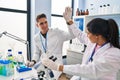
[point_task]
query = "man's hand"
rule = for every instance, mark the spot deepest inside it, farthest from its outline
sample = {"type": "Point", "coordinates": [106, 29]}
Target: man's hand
{"type": "Point", "coordinates": [30, 64]}
{"type": "Point", "coordinates": [67, 14]}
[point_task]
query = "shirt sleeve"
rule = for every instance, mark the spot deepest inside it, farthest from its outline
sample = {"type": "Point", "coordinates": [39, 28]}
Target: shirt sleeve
{"type": "Point", "coordinates": [37, 51]}
{"type": "Point", "coordinates": [37, 54]}
{"type": "Point", "coordinates": [82, 36]}
{"type": "Point", "coordinates": [65, 35]}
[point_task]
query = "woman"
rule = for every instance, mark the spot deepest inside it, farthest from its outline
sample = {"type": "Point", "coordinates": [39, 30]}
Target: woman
{"type": "Point", "coordinates": [101, 60]}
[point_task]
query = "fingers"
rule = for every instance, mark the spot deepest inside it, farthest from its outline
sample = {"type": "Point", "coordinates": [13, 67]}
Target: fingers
{"type": "Point", "coordinates": [45, 61]}
{"type": "Point", "coordinates": [68, 9]}
{"type": "Point", "coordinates": [67, 14]}
{"type": "Point", "coordinates": [29, 64]}
{"type": "Point", "coordinates": [43, 56]}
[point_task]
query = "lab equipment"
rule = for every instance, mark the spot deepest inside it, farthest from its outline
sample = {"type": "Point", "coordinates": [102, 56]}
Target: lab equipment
{"type": "Point", "coordinates": [47, 74]}
{"type": "Point", "coordinates": [6, 68]}
{"type": "Point", "coordinates": [25, 73]}
{"type": "Point", "coordinates": [23, 68]}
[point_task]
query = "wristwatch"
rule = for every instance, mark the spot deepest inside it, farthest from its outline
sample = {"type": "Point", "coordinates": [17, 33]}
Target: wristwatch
{"type": "Point", "coordinates": [70, 22]}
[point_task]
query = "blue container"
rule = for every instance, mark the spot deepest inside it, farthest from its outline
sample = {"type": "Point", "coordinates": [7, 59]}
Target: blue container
{"type": "Point", "coordinates": [6, 68]}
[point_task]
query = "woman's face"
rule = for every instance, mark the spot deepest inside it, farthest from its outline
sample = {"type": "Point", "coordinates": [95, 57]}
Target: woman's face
{"type": "Point", "coordinates": [93, 38]}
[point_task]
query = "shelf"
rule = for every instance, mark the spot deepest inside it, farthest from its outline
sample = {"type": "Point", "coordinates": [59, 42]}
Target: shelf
{"type": "Point", "coordinates": [96, 15]}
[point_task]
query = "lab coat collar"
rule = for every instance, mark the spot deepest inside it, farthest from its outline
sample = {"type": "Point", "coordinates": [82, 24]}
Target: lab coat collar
{"type": "Point", "coordinates": [103, 48]}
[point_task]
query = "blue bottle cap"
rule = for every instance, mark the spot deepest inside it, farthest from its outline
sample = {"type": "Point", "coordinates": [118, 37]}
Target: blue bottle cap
{"type": "Point", "coordinates": [9, 49]}
{"type": "Point", "coordinates": [21, 79]}
{"type": "Point", "coordinates": [20, 52]}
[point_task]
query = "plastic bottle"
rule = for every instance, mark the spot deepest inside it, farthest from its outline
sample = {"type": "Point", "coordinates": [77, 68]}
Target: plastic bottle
{"type": "Point", "coordinates": [9, 52]}
{"type": "Point", "coordinates": [109, 10]}
{"type": "Point", "coordinates": [92, 10]}
{"type": "Point", "coordinates": [100, 11]}
{"type": "Point", "coordinates": [104, 9]}
{"type": "Point", "coordinates": [20, 59]}
{"type": "Point", "coordinates": [10, 55]}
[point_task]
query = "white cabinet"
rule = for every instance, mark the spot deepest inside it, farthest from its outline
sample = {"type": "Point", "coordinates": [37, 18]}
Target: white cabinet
{"type": "Point", "coordinates": [74, 57]}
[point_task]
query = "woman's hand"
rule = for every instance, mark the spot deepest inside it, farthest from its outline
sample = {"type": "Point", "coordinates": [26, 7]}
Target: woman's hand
{"type": "Point", "coordinates": [67, 14]}
{"type": "Point", "coordinates": [50, 64]}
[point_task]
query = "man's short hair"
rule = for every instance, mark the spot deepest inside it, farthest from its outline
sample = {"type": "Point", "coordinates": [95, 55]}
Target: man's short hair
{"type": "Point", "coordinates": [40, 16]}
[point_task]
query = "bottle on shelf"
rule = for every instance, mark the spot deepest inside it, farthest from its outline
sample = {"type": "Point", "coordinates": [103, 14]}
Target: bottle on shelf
{"type": "Point", "coordinates": [100, 11]}
{"type": "Point", "coordinates": [81, 12]}
{"type": "Point", "coordinates": [92, 9]}
{"type": "Point", "coordinates": [104, 9]}
{"type": "Point", "coordinates": [20, 59]}
{"type": "Point", "coordinates": [86, 12]}
{"type": "Point", "coordinates": [108, 8]}
{"type": "Point", "coordinates": [77, 12]}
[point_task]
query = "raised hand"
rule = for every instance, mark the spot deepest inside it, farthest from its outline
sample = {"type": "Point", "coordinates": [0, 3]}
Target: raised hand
{"type": "Point", "coordinates": [67, 14]}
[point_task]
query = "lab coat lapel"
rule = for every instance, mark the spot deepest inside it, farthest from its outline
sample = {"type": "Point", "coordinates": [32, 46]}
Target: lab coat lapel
{"type": "Point", "coordinates": [42, 42]}
{"type": "Point", "coordinates": [88, 55]}
{"type": "Point", "coordinates": [101, 50]}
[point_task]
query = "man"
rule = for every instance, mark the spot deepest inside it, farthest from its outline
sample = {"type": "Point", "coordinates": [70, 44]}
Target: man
{"type": "Point", "coordinates": [49, 41]}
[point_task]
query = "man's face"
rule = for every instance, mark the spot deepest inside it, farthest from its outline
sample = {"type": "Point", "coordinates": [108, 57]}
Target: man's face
{"type": "Point", "coordinates": [42, 24]}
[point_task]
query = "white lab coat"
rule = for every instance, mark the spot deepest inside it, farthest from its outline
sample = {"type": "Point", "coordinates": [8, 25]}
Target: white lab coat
{"type": "Point", "coordinates": [55, 40]}
{"type": "Point", "coordinates": [105, 64]}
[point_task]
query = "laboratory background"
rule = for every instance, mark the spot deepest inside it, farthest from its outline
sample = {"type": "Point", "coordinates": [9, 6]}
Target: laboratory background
{"type": "Point", "coordinates": [18, 23]}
